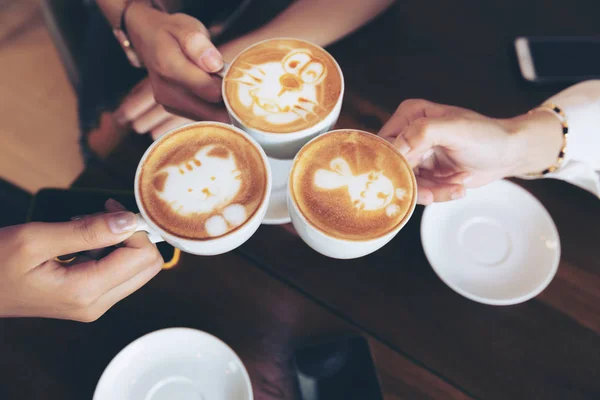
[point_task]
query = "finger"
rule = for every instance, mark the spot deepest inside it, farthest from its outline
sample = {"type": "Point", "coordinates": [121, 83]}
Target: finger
{"type": "Point", "coordinates": [195, 43]}
{"type": "Point", "coordinates": [118, 293]}
{"type": "Point", "coordinates": [440, 175]}
{"type": "Point", "coordinates": [174, 68]}
{"type": "Point", "coordinates": [137, 102]}
{"type": "Point", "coordinates": [442, 191]}
{"type": "Point", "coordinates": [179, 101]}
{"type": "Point", "coordinates": [409, 111]}
{"type": "Point", "coordinates": [168, 125]}
{"type": "Point", "coordinates": [91, 232]}
{"type": "Point", "coordinates": [150, 119]}
{"type": "Point", "coordinates": [424, 196]}
{"type": "Point", "coordinates": [99, 277]}
{"type": "Point", "coordinates": [424, 134]}
{"type": "Point", "coordinates": [111, 205]}
{"type": "Point", "coordinates": [138, 239]}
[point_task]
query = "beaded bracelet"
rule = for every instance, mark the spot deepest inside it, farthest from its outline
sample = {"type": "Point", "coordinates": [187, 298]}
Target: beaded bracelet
{"type": "Point", "coordinates": [560, 114]}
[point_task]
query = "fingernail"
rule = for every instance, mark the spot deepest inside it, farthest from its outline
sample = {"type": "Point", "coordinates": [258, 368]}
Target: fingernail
{"type": "Point", "coordinates": [458, 194]}
{"type": "Point", "coordinates": [402, 146]}
{"type": "Point", "coordinates": [112, 203]}
{"type": "Point", "coordinates": [121, 222]}
{"type": "Point", "coordinates": [212, 60]}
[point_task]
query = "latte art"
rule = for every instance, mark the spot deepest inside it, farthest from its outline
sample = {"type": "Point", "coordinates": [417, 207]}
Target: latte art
{"type": "Point", "coordinates": [205, 184]}
{"type": "Point", "coordinates": [370, 191]}
{"type": "Point", "coordinates": [202, 182]}
{"type": "Point", "coordinates": [352, 185]}
{"type": "Point", "coordinates": [282, 85]}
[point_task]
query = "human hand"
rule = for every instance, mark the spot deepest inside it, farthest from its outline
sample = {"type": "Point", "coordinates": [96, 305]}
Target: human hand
{"type": "Point", "coordinates": [452, 148]}
{"type": "Point", "coordinates": [146, 116]}
{"type": "Point", "coordinates": [32, 284]}
{"type": "Point", "coordinates": [180, 59]}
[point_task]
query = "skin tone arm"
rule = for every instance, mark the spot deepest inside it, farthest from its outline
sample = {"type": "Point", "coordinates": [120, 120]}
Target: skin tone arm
{"type": "Point", "coordinates": [319, 21]}
{"type": "Point", "coordinates": [452, 148]}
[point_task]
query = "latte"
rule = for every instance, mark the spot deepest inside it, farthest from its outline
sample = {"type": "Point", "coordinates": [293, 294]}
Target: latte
{"type": "Point", "coordinates": [352, 185]}
{"type": "Point", "coordinates": [203, 181]}
{"type": "Point", "coordinates": [282, 86]}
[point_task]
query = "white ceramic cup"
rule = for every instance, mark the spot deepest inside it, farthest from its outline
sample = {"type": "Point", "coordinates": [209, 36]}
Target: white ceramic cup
{"type": "Point", "coordinates": [334, 247]}
{"type": "Point", "coordinates": [205, 247]}
{"type": "Point", "coordinates": [284, 146]}
{"type": "Point", "coordinates": [175, 363]}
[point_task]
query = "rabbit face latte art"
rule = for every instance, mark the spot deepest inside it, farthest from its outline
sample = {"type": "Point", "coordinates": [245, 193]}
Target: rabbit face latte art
{"type": "Point", "coordinates": [282, 85]}
{"type": "Point", "coordinates": [202, 182]}
{"type": "Point", "coordinates": [352, 185]}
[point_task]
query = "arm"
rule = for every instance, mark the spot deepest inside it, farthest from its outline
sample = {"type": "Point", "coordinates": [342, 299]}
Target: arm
{"type": "Point", "coordinates": [319, 21]}
{"type": "Point", "coordinates": [112, 9]}
{"type": "Point", "coordinates": [581, 104]}
{"type": "Point", "coordinates": [454, 148]}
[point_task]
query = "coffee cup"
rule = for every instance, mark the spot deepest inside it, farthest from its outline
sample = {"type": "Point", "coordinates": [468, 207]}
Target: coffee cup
{"type": "Point", "coordinates": [349, 193]}
{"type": "Point", "coordinates": [203, 188]}
{"type": "Point", "coordinates": [283, 92]}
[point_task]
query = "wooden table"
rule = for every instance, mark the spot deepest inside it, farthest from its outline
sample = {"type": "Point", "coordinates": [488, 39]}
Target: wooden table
{"type": "Point", "coordinates": [275, 293]}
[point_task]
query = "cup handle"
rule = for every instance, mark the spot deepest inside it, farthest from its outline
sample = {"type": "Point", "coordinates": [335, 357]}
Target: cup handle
{"type": "Point", "coordinates": [142, 226]}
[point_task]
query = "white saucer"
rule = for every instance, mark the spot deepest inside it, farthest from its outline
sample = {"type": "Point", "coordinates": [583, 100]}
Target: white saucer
{"type": "Point", "coordinates": [277, 213]}
{"type": "Point", "coordinates": [497, 246]}
{"type": "Point", "coordinates": [175, 363]}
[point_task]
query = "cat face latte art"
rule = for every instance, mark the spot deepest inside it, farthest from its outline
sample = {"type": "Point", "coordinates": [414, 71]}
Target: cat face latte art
{"type": "Point", "coordinates": [282, 86]}
{"type": "Point", "coordinates": [203, 181]}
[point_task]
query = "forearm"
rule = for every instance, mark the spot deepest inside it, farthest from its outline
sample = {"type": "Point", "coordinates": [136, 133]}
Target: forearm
{"type": "Point", "coordinates": [113, 9]}
{"type": "Point", "coordinates": [319, 21]}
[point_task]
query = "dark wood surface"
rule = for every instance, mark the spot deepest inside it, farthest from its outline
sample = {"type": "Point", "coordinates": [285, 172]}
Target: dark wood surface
{"type": "Point", "coordinates": [275, 293]}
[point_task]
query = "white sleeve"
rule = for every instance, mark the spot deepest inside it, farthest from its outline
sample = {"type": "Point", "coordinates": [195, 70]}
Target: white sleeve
{"type": "Point", "coordinates": [581, 104]}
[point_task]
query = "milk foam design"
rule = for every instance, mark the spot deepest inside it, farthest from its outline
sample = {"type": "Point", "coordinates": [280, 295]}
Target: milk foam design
{"type": "Point", "coordinates": [370, 191]}
{"type": "Point", "coordinates": [283, 92]}
{"type": "Point", "coordinates": [206, 184]}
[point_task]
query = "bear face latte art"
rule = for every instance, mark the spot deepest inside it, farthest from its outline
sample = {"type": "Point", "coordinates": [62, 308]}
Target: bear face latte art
{"type": "Point", "coordinates": [202, 182]}
{"type": "Point", "coordinates": [282, 86]}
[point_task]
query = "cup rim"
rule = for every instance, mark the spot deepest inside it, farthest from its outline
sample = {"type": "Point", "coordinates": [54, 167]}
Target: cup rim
{"type": "Point", "coordinates": [289, 135]}
{"type": "Point", "coordinates": [227, 236]}
{"type": "Point", "coordinates": [392, 231]}
{"type": "Point", "coordinates": [167, 331]}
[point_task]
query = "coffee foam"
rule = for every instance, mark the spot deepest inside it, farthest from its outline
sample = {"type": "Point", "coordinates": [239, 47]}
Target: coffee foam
{"type": "Point", "coordinates": [202, 182]}
{"type": "Point", "coordinates": [352, 185]}
{"type": "Point", "coordinates": [283, 85]}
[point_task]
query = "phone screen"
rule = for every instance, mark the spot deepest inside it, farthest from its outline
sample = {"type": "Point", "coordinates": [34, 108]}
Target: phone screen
{"type": "Point", "coordinates": [341, 369]}
{"type": "Point", "coordinates": [59, 205]}
{"type": "Point", "coordinates": [574, 58]}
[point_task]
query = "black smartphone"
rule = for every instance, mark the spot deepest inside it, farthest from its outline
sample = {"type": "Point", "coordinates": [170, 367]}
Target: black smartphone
{"type": "Point", "coordinates": [340, 369]}
{"type": "Point", "coordinates": [59, 205]}
{"type": "Point", "coordinates": [559, 59]}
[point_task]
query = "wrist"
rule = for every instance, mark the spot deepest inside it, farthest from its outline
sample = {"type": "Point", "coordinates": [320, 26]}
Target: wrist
{"type": "Point", "coordinates": [537, 140]}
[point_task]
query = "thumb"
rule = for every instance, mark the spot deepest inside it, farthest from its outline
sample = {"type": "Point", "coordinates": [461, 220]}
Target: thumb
{"type": "Point", "coordinates": [91, 232]}
{"type": "Point", "coordinates": [195, 43]}
{"type": "Point", "coordinates": [424, 134]}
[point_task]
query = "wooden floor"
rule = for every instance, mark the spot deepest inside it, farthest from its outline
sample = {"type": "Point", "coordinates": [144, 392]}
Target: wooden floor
{"type": "Point", "coordinates": [38, 122]}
